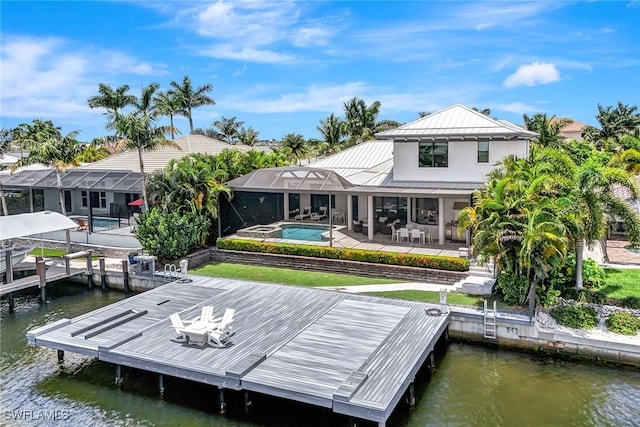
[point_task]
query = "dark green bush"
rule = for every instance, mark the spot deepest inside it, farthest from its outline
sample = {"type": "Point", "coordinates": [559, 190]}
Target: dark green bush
{"type": "Point", "coordinates": [623, 323]}
{"type": "Point", "coordinates": [586, 295]}
{"type": "Point", "coordinates": [575, 316]}
{"type": "Point", "coordinates": [171, 235]}
{"type": "Point", "coordinates": [379, 257]}
{"type": "Point", "coordinates": [513, 288]}
{"type": "Point", "coordinates": [631, 302]}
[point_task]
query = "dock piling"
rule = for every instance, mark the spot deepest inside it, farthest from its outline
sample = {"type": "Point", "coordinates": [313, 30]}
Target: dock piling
{"type": "Point", "coordinates": [41, 270]}
{"type": "Point", "coordinates": [60, 356]}
{"type": "Point", "coordinates": [11, 303]}
{"type": "Point", "coordinates": [118, 375]}
{"type": "Point", "coordinates": [411, 398]}
{"type": "Point", "coordinates": [8, 267]}
{"type": "Point", "coordinates": [247, 402]}
{"type": "Point", "coordinates": [89, 270]}
{"type": "Point", "coordinates": [223, 406]}
{"type": "Point", "coordinates": [161, 385]}
{"type": "Point", "coordinates": [103, 273]}
{"type": "Point", "coordinates": [125, 274]}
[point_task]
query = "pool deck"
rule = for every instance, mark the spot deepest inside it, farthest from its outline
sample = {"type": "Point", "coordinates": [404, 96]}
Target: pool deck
{"type": "Point", "coordinates": [355, 354]}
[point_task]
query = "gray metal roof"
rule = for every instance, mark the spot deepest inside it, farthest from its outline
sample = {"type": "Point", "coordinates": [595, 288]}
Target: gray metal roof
{"type": "Point", "coordinates": [76, 179]}
{"type": "Point", "coordinates": [159, 159]}
{"type": "Point", "coordinates": [291, 178]}
{"type": "Point", "coordinates": [456, 122]}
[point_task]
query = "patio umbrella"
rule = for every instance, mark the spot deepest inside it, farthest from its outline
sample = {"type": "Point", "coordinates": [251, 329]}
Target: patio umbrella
{"type": "Point", "coordinates": [136, 202]}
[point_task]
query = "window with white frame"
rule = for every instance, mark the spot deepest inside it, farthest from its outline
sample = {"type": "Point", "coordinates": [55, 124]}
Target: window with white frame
{"type": "Point", "coordinates": [483, 151]}
{"type": "Point", "coordinates": [433, 154]}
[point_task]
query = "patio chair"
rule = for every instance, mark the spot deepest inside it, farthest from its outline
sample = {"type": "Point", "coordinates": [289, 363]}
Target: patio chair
{"type": "Point", "coordinates": [416, 234]}
{"type": "Point", "coordinates": [357, 226]}
{"type": "Point", "coordinates": [317, 216]}
{"type": "Point", "coordinates": [394, 232]}
{"type": "Point", "coordinates": [404, 234]}
{"type": "Point", "coordinates": [217, 339]}
{"type": "Point", "coordinates": [224, 326]}
{"type": "Point", "coordinates": [306, 213]}
{"type": "Point", "coordinates": [176, 323]}
{"type": "Point", "coordinates": [82, 226]}
{"type": "Point", "coordinates": [207, 313]}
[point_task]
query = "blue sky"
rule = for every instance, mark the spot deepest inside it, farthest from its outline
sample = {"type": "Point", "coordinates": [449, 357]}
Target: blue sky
{"type": "Point", "coordinates": [283, 66]}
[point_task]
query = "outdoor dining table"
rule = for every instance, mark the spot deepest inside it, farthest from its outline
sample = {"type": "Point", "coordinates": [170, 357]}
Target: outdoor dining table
{"type": "Point", "coordinates": [197, 332]}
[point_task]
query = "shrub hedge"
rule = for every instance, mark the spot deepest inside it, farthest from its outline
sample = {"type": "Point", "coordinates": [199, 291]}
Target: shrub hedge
{"type": "Point", "coordinates": [575, 316]}
{"type": "Point", "coordinates": [379, 257]}
{"type": "Point", "coordinates": [623, 323]}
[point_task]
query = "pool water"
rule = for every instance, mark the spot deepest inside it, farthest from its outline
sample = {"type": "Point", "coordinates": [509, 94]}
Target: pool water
{"type": "Point", "coordinates": [104, 222]}
{"type": "Point", "coordinates": [310, 233]}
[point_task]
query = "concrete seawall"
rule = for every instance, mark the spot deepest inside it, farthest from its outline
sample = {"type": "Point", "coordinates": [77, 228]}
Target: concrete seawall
{"type": "Point", "coordinates": [516, 331]}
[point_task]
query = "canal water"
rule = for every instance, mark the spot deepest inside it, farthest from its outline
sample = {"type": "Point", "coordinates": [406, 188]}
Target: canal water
{"type": "Point", "coordinates": [472, 386]}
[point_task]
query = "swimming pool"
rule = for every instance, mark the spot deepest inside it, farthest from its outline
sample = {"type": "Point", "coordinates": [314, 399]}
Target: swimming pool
{"type": "Point", "coordinates": [303, 232]}
{"type": "Point", "coordinates": [310, 233]}
{"type": "Point", "coordinates": [99, 222]}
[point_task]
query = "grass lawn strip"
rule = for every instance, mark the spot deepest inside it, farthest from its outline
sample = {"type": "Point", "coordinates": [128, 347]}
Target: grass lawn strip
{"type": "Point", "coordinates": [286, 276]}
{"type": "Point", "coordinates": [621, 283]}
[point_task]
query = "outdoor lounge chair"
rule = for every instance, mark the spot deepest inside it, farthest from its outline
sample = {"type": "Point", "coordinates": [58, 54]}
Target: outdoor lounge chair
{"type": "Point", "coordinates": [357, 226]}
{"type": "Point", "coordinates": [217, 339]}
{"type": "Point", "coordinates": [224, 326]}
{"type": "Point", "coordinates": [317, 216]}
{"type": "Point", "coordinates": [207, 313]}
{"type": "Point", "coordinates": [82, 226]}
{"type": "Point", "coordinates": [176, 323]}
{"type": "Point", "coordinates": [306, 213]}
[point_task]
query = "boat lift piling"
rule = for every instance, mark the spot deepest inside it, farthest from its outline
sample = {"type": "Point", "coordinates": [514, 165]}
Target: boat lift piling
{"type": "Point", "coordinates": [41, 271]}
{"type": "Point", "coordinates": [103, 273]}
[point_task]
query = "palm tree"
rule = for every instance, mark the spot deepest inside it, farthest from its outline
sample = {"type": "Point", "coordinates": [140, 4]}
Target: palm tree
{"type": "Point", "coordinates": [361, 119]}
{"type": "Point", "coordinates": [333, 130]}
{"type": "Point", "coordinates": [228, 128]}
{"type": "Point", "coordinates": [295, 144]}
{"type": "Point", "coordinates": [548, 127]}
{"type": "Point", "coordinates": [50, 148]}
{"type": "Point", "coordinates": [139, 132]}
{"type": "Point", "coordinates": [614, 122]}
{"type": "Point", "coordinates": [113, 100]}
{"type": "Point", "coordinates": [5, 145]}
{"type": "Point", "coordinates": [190, 98]}
{"type": "Point", "coordinates": [168, 104]}
{"type": "Point", "coordinates": [248, 136]}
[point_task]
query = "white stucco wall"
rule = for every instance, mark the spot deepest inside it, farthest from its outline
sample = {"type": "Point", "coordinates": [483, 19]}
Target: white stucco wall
{"type": "Point", "coordinates": [463, 161]}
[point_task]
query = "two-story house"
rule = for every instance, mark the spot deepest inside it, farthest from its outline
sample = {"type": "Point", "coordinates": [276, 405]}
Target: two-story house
{"type": "Point", "coordinates": [423, 173]}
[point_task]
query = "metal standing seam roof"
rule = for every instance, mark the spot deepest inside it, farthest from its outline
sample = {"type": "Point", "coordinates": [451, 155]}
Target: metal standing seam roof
{"type": "Point", "coordinates": [105, 180]}
{"type": "Point", "coordinates": [457, 121]}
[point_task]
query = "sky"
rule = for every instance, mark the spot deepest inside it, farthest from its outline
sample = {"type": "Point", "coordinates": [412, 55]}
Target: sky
{"type": "Point", "coordinates": [281, 66]}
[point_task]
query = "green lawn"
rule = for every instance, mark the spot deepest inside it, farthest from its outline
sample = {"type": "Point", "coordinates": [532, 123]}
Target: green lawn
{"type": "Point", "coordinates": [53, 253]}
{"type": "Point", "coordinates": [452, 298]}
{"type": "Point", "coordinates": [621, 283]}
{"type": "Point", "coordinates": [285, 275]}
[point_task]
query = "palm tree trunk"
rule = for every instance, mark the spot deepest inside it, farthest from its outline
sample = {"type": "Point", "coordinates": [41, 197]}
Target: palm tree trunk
{"type": "Point", "coordinates": [579, 256]}
{"type": "Point", "coordinates": [144, 181]}
{"type": "Point", "coordinates": [171, 121]}
{"type": "Point", "coordinates": [532, 299]}
{"type": "Point", "coordinates": [63, 209]}
{"type": "Point", "coordinates": [5, 211]}
{"type": "Point", "coordinates": [190, 122]}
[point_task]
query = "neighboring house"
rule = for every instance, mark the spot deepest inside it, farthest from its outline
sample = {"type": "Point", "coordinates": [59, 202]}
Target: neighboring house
{"type": "Point", "coordinates": [108, 185]}
{"type": "Point", "coordinates": [423, 172]}
{"type": "Point", "coordinates": [624, 194]}
{"type": "Point", "coordinates": [572, 130]}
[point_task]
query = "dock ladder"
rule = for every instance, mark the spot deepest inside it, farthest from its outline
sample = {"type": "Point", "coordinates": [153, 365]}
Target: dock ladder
{"type": "Point", "coordinates": [490, 321]}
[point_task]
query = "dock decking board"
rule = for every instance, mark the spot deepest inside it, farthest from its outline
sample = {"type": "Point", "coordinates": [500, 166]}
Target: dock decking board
{"type": "Point", "coordinates": [353, 353]}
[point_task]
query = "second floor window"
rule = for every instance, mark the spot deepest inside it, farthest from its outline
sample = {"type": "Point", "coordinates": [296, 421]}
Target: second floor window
{"type": "Point", "coordinates": [483, 151]}
{"type": "Point", "coordinates": [433, 154]}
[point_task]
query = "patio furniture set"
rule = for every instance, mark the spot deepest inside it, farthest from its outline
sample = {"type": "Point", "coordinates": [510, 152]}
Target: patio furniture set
{"type": "Point", "coordinates": [205, 329]}
{"type": "Point", "coordinates": [320, 215]}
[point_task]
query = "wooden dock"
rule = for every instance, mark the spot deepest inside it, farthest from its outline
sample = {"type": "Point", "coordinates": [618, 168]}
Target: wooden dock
{"type": "Point", "coordinates": [354, 354]}
{"type": "Point", "coordinates": [54, 273]}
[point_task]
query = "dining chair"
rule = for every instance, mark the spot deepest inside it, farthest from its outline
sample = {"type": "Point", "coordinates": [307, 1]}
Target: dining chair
{"type": "Point", "coordinates": [404, 234]}
{"type": "Point", "coordinates": [415, 234]}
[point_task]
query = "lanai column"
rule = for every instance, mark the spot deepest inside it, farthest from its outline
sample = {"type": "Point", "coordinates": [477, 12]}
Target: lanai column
{"type": "Point", "coordinates": [370, 217]}
{"type": "Point", "coordinates": [286, 206]}
{"type": "Point", "coordinates": [441, 229]}
{"type": "Point", "coordinates": [349, 212]}
{"type": "Point", "coordinates": [408, 209]}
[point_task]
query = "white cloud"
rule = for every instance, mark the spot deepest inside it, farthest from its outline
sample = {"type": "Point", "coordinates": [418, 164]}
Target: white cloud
{"type": "Point", "coordinates": [250, 54]}
{"type": "Point", "coordinates": [515, 107]}
{"type": "Point", "coordinates": [533, 74]}
{"type": "Point", "coordinates": [48, 77]}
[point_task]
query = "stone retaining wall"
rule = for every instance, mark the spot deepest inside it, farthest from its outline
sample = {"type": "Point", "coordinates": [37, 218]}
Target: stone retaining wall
{"type": "Point", "coordinates": [396, 272]}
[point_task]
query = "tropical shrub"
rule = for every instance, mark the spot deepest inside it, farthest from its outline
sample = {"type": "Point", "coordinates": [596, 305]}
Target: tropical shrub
{"type": "Point", "coordinates": [575, 316]}
{"type": "Point", "coordinates": [586, 295]}
{"type": "Point", "coordinates": [412, 260]}
{"type": "Point", "coordinates": [512, 288]}
{"type": "Point", "coordinates": [631, 302]}
{"type": "Point", "coordinates": [171, 235]}
{"type": "Point", "coordinates": [564, 279]}
{"type": "Point", "coordinates": [623, 323]}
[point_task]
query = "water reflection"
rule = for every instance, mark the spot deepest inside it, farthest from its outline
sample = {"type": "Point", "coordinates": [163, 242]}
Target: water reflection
{"type": "Point", "coordinates": [471, 385]}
